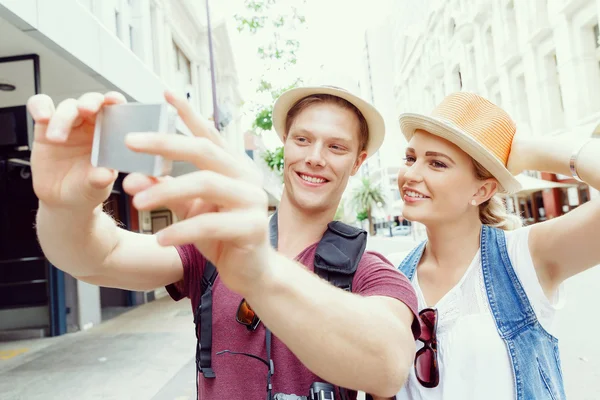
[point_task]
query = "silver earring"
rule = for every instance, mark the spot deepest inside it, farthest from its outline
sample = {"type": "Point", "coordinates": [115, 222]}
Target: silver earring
{"type": "Point", "coordinates": [473, 203]}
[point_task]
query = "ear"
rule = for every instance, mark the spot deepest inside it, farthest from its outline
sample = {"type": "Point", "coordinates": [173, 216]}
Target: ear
{"type": "Point", "coordinates": [485, 192]}
{"type": "Point", "coordinates": [362, 156]}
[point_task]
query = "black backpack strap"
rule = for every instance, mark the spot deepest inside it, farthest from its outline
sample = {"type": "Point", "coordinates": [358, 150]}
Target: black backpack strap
{"type": "Point", "coordinates": [339, 252]}
{"type": "Point", "coordinates": [203, 316]}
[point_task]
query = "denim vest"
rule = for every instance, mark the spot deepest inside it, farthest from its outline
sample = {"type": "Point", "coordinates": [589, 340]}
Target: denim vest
{"type": "Point", "coordinates": [533, 351]}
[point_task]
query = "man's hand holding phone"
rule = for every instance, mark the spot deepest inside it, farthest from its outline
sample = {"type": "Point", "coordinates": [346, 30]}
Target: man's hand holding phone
{"type": "Point", "coordinates": [223, 208]}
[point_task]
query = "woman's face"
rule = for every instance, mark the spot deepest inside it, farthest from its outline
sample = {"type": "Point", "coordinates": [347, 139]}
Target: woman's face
{"type": "Point", "coordinates": [438, 182]}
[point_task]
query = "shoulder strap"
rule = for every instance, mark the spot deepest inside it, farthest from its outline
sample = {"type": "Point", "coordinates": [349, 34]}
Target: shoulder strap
{"type": "Point", "coordinates": [339, 252]}
{"type": "Point", "coordinates": [204, 313]}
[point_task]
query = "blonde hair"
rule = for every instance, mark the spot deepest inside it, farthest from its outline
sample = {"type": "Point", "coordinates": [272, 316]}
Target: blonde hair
{"type": "Point", "coordinates": [493, 212]}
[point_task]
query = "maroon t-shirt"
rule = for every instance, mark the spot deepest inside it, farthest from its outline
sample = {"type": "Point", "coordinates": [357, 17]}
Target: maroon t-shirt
{"type": "Point", "coordinates": [242, 377]}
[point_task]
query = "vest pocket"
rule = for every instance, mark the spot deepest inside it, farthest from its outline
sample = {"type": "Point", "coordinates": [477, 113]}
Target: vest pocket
{"type": "Point", "coordinates": [547, 381]}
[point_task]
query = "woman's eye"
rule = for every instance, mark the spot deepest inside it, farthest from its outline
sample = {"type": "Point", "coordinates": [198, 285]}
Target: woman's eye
{"type": "Point", "coordinates": [438, 164]}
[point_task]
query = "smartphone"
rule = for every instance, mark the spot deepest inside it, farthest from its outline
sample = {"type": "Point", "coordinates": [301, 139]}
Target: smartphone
{"type": "Point", "coordinates": [114, 122]}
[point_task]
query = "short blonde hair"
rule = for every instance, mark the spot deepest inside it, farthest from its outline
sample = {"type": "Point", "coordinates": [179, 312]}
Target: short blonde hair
{"type": "Point", "coordinates": [493, 212]}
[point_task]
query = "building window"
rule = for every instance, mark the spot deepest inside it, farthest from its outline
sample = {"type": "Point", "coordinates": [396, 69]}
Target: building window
{"type": "Point", "coordinates": [451, 28]}
{"type": "Point", "coordinates": [457, 77]}
{"type": "Point", "coordinates": [118, 23]}
{"type": "Point", "coordinates": [560, 96]}
{"type": "Point", "coordinates": [553, 95]}
{"type": "Point", "coordinates": [597, 42]}
{"type": "Point", "coordinates": [183, 64]}
{"type": "Point", "coordinates": [523, 107]}
{"type": "Point", "coordinates": [131, 38]}
{"type": "Point", "coordinates": [156, 45]}
{"type": "Point", "coordinates": [489, 41]}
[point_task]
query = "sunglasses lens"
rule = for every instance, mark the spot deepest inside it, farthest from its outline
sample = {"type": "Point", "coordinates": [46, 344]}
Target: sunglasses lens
{"type": "Point", "coordinates": [245, 314]}
{"type": "Point", "coordinates": [427, 320]}
{"type": "Point", "coordinates": [425, 367]}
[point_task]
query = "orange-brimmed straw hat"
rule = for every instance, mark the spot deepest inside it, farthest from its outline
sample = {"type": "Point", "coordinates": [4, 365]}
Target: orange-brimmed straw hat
{"type": "Point", "coordinates": [480, 128]}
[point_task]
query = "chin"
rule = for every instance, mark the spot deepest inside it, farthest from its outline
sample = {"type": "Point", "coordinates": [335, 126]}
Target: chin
{"type": "Point", "coordinates": [419, 216]}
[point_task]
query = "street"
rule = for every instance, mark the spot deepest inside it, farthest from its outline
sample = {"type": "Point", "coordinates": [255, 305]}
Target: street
{"type": "Point", "coordinates": [147, 353]}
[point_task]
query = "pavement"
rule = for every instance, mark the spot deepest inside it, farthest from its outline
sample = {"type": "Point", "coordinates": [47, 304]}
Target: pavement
{"type": "Point", "coordinates": [147, 353]}
{"type": "Point", "coordinates": [133, 356]}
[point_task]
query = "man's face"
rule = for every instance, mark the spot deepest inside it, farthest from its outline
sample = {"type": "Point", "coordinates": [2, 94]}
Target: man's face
{"type": "Point", "coordinates": [321, 152]}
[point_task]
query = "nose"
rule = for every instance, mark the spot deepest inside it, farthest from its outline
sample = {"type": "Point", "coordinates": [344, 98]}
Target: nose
{"type": "Point", "coordinates": [410, 173]}
{"type": "Point", "coordinates": [315, 156]}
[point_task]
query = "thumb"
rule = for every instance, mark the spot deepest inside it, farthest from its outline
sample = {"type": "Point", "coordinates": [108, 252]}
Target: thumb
{"type": "Point", "coordinates": [101, 178]}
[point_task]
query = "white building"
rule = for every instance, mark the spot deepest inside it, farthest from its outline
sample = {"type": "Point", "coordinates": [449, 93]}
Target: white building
{"type": "Point", "coordinates": [538, 59]}
{"type": "Point", "coordinates": [65, 48]}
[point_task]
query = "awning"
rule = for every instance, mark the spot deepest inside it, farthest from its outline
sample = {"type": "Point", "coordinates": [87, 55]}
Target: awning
{"type": "Point", "coordinates": [531, 185]}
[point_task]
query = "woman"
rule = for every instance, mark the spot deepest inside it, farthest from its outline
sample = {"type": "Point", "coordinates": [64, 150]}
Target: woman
{"type": "Point", "coordinates": [489, 288]}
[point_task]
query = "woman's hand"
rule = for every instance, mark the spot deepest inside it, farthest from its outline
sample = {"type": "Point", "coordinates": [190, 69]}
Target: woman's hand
{"type": "Point", "coordinates": [519, 152]}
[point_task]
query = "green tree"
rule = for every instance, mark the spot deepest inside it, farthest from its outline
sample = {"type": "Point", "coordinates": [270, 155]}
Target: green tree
{"type": "Point", "coordinates": [366, 197]}
{"type": "Point", "coordinates": [361, 216]}
{"type": "Point", "coordinates": [278, 19]}
{"type": "Point", "coordinates": [274, 160]}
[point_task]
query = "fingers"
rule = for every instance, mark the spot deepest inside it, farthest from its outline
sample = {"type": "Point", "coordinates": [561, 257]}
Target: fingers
{"type": "Point", "coordinates": [136, 182]}
{"type": "Point", "coordinates": [69, 113]}
{"type": "Point", "coordinates": [90, 104]}
{"type": "Point", "coordinates": [114, 98]}
{"type": "Point", "coordinates": [199, 126]}
{"type": "Point", "coordinates": [41, 108]}
{"type": "Point", "coordinates": [234, 227]}
{"type": "Point", "coordinates": [210, 187]}
{"type": "Point", "coordinates": [62, 121]}
{"type": "Point", "coordinates": [201, 152]}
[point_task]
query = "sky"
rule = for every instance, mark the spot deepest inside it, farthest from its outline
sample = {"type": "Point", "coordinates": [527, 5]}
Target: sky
{"type": "Point", "coordinates": [331, 40]}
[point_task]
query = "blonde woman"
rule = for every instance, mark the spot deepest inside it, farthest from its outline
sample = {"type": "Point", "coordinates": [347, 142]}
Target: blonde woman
{"type": "Point", "coordinates": [489, 288]}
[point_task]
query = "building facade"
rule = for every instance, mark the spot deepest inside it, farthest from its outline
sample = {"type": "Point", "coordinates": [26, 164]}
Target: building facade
{"type": "Point", "coordinates": [66, 48]}
{"type": "Point", "coordinates": [538, 59]}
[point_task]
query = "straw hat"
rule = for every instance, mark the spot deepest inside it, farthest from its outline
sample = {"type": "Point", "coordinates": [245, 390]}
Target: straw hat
{"type": "Point", "coordinates": [480, 128]}
{"type": "Point", "coordinates": [336, 86]}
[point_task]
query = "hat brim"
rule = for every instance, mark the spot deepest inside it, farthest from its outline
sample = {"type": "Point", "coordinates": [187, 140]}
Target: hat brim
{"type": "Point", "coordinates": [409, 123]}
{"type": "Point", "coordinates": [374, 119]}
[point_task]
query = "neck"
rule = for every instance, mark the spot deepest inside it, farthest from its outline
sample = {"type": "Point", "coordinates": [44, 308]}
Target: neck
{"type": "Point", "coordinates": [453, 245]}
{"type": "Point", "coordinates": [298, 228]}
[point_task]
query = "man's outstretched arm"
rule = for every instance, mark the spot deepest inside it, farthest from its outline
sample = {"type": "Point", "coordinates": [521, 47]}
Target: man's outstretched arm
{"type": "Point", "coordinates": [361, 343]}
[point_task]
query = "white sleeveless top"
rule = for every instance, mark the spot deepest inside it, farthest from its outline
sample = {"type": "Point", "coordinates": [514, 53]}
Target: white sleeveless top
{"type": "Point", "coordinates": [473, 360]}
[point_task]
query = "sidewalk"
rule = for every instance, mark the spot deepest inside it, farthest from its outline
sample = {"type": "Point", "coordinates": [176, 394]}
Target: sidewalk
{"type": "Point", "coordinates": [148, 353]}
{"type": "Point", "coordinates": [133, 356]}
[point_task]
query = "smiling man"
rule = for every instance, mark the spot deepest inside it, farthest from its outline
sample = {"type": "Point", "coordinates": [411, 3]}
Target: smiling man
{"type": "Point", "coordinates": [219, 255]}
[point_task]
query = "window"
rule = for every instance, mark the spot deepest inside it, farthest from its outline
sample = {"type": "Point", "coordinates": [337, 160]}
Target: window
{"type": "Point", "coordinates": [155, 38]}
{"type": "Point", "coordinates": [473, 68]}
{"type": "Point", "coordinates": [560, 97]}
{"type": "Point", "coordinates": [451, 28]}
{"type": "Point", "coordinates": [523, 107]}
{"type": "Point", "coordinates": [131, 37]}
{"type": "Point", "coordinates": [182, 63]}
{"type": "Point", "coordinates": [596, 30]}
{"type": "Point", "coordinates": [457, 78]}
{"type": "Point", "coordinates": [118, 24]}
{"type": "Point", "coordinates": [489, 41]}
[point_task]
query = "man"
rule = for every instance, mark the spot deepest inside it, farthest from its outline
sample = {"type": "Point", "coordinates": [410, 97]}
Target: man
{"type": "Point", "coordinates": [360, 340]}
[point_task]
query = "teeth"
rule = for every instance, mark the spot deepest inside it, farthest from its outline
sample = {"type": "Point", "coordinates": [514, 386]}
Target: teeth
{"type": "Point", "coordinates": [415, 195]}
{"type": "Point", "coordinates": [312, 179]}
